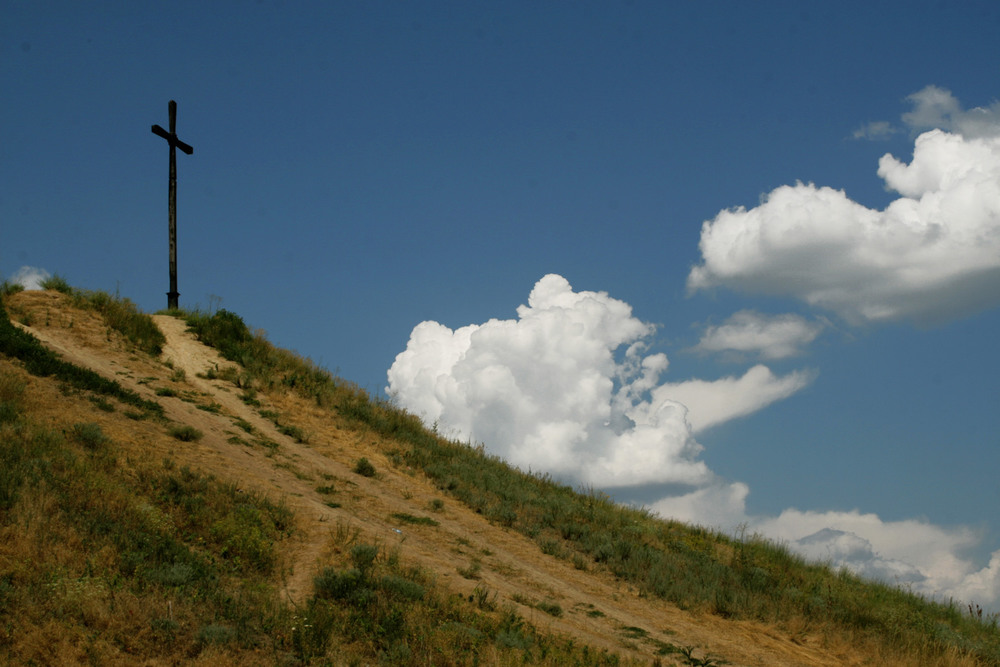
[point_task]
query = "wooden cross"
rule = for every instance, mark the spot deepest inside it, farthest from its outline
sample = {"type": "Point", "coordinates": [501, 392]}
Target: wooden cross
{"type": "Point", "coordinates": [175, 143]}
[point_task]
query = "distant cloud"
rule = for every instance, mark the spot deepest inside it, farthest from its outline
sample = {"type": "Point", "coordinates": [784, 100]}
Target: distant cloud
{"type": "Point", "coordinates": [875, 131]}
{"type": "Point", "coordinates": [551, 390]}
{"type": "Point", "coordinates": [767, 336]}
{"type": "Point", "coordinates": [937, 108]}
{"type": "Point", "coordinates": [30, 278]}
{"type": "Point", "coordinates": [932, 255]}
{"type": "Point", "coordinates": [927, 558]}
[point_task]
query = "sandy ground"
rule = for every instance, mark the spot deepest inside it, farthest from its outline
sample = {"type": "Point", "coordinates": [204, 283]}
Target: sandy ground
{"type": "Point", "coordinates": [510, 564]}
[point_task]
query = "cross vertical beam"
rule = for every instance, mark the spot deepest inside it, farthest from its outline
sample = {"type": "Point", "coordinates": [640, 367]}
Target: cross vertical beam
{"type": "Point", "coordinates": [174, 143]}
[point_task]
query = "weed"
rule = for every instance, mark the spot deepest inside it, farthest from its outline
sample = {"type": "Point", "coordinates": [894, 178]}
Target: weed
{"type": "Point", "coordinates": [550, 608]}
{"type": "Point", "coordinates": [364, 468]}
{"type": "Point", "coordinates": [690, 659]}
{"type": "Point", "coordinates": [243, 424]}
{"type": "Point", "coordinates": [185, 433]}
{"type": "Point", "coordinates": [484, 598]}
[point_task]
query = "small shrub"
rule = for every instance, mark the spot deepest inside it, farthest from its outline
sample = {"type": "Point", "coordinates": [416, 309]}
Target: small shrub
{"type": "Point", "coordinates": [363, 556]}
{"type": "Point", "coordinates": [89, 435]}
{"type": "Point", "coordinates": [401, 588]}
{"type": "Point", "coordinates": [551, 547]}
{"type": "Point", "coordinates": [330, 584]}
{"type": "Point", "coordinates": [484, 598]}
{"type": "Point", "coordinates": [166, 391]}
{"type": "Point", "coordinates": [186, 433]}
{"type": "Point", "coordinates": [364, 467]}
{"type": "Point", "coordinates": [57, 283]}
{"type": "Point", "coordinates": [550, 608]}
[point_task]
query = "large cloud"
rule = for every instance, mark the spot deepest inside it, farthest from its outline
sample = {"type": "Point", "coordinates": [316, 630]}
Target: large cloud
{"type": "Point", "coordinates": [568, 388]}
{"type": "Point", "coordinates": [933, 254]}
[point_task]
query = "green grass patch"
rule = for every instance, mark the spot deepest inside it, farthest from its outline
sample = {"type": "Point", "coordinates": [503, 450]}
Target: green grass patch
{"type": "Point", "coordinates": [414, 520]}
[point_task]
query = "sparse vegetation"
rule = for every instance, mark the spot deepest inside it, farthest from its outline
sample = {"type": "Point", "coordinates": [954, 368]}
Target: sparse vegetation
{"type": "Point", "coordinates": [405, 517]}
{"type": "Point", "coordinates": [41, 361]}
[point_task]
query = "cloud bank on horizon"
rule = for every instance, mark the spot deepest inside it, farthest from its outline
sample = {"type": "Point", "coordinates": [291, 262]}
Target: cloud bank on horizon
{"type": "Point", "coordinates": [569, 387]}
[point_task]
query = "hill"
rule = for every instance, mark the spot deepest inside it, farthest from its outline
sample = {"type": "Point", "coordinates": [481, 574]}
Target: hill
{"type": "Point", "coordinates": [175, 488]}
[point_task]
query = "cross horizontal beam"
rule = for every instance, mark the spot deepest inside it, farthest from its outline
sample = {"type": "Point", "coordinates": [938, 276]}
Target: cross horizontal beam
{"type": "Point", "coordinates": [172, 139]}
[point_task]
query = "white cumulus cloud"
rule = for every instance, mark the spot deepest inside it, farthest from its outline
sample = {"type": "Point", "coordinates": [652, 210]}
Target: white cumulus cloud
{"type": "Point", "coordinates": [769, 336]}
{"type": "Point", "coordinates": [568, 388]}
{"type": "Point", "coordinates": [30, 277]}
{"type": "Point", "coordinates": [933, 254]}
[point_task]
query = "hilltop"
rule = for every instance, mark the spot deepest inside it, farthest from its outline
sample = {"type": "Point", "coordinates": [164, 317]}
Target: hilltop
{"type": "Point", "coordinates": [193, 493]}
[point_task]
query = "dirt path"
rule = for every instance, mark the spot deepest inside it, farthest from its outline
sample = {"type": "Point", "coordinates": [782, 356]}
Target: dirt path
{"type": "Point", "coordinates": [596, 608]}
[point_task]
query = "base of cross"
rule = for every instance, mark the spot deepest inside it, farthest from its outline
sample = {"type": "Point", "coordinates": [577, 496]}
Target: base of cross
{"type": "Point", "coordinates": [172, 300]}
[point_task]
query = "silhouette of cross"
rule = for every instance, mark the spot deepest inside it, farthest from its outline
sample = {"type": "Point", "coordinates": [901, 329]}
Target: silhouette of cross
{"type": "Point", "coordinates": [175, 143]}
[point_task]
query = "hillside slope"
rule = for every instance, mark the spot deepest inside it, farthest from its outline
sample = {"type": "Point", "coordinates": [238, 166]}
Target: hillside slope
{"type": "Point", "coordinates": [281, 445]}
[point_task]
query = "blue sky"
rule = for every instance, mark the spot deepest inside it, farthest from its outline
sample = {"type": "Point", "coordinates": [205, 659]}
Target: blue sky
{"type": "Point", "coordinates": [361, 168]}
